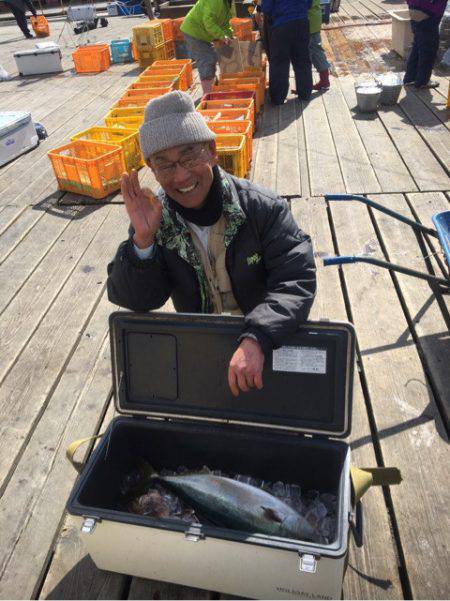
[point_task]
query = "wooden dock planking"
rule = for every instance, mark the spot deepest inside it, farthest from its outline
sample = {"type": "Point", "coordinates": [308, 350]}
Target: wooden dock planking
{"type": "Point", "coordinates": [391, 172]}
{"type": "Point", "coordinates": [372, 571]}
{"type": "Point", "coordinates": [265, 170]}
{"type": "Point", "coordinates": [82, 393]}
{"type": "Point", "coordinates": [422, 302]}
{"type": "Point", "coordinates": [323, 163]}
{"type": "Point", "coordinates": [43, 286]}
{"type": "Point", "coordinates": [356, 169]}
{"type": "Point", "coordinates": [27, 388]}
{"type": "Point", "coordinates": [410, 431]}
{"type": "Point", "coordinates": [291, 149]}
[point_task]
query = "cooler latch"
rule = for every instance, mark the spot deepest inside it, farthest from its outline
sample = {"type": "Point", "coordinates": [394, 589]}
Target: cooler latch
{"type": "Point", "coordinates": [194, 533]}
{"type": "Point", "coordinates": [308, 563]}
{"type": "Point", "coordinates": [88, 525]}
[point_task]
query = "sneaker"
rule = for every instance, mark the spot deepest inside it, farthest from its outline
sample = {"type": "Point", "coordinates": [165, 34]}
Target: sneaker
{"type": "Point", "coordinates": [29, 36]}
{"type": "Point", "coordinates": [427, 86]}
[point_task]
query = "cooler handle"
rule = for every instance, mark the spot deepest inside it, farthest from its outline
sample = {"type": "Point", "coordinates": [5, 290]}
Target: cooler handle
{"type": "Point", "coordinates": [73, 447]}
{"type": "Point", "coordinates": [356, 525]}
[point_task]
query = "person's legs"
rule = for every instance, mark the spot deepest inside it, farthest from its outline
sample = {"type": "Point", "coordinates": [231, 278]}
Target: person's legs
{"type": "Point", "coordinates": [21, 20]}
{"type": "Point", "coordinates": [206, 60]}
{"type": "Point", "coordinates": [320, 62]}
{"type": "Point", "coordinates": [300, 57]}
{"type": "Point", "coordinates": [279, 64]}
{"type": "Point", "coordinates": [413, 57]}
{"type": "Point", "coordinates": [427, 50]}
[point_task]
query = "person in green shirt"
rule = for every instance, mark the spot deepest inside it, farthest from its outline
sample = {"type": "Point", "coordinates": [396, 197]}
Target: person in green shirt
{"type": "Point", "coordinates": [206, 24]}
{"type": "Point", "coordinates": [316, 51]}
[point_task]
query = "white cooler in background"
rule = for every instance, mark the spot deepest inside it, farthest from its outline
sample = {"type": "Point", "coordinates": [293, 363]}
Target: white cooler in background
{"type": "Point", "coordinates": [81, 13]}
{"type": "Point", "coordinates": [17, 135]}
{"type": "Point", "coordinates": [39, 60]}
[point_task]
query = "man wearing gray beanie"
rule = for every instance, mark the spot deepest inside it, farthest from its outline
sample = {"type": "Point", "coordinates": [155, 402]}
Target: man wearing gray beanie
{"type": "Point", "coordinates": [213, 242]}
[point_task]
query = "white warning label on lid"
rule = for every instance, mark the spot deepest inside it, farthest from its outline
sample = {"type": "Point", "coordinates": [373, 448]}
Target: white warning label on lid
{"type": "Point", "coordinates": [300, 359]}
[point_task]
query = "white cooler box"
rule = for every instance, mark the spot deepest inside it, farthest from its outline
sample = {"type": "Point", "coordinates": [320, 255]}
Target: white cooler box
{"type": "Point", "coordinates": [170, 382]}
{"type": "Point", "coordinates": [39, 60]}
{"type": "Point", "coordinates": [17, 135]}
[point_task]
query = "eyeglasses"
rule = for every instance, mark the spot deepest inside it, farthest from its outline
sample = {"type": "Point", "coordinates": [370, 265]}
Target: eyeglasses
{"type": "Point", "coordinates": [192, 158]}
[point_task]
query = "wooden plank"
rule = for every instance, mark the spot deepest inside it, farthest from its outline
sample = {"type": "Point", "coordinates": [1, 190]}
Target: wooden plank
{"type": "Point", "coordinates": [387, 163]}
{"type": "Point", "coordinates": [39, 292]}
{"type": "Point", "coordinates": [429, 127]}
{"type": "Point", "coordinates": [324, 169]}
{"type": "Point", "coordinates": [265, 171]}
{"type": "Point", "coordinates": [357, 172]}
{"type": "Point", "coordinates": [409, 427]}
{"type": "Point", "coordinates": [372, 572]}
{"type": "Point", "coordinates": [424, 168]}
{"type": "Point", "coordinates": [15, 270]}
{"type": "Point", "coordinates": [26, 390]}
{"type": "Point", "coordinates": [34, 501]}
{"type": "Point", "coordinates": [18, 230]}
{"type": "Point", "coordinates": [8, 215]}
{"type": "Point", "coordinates": [422, 302]}
{"type": "Point", "coordinates": [290, 151]}
{"type": "Point", "coordinates": [436, 103]}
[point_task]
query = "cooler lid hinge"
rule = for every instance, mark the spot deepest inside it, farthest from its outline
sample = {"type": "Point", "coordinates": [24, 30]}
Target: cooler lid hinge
{"type": "Point", "coordinates": [194, 533]}
{"type": "Point", "coordinates": [308, 562]}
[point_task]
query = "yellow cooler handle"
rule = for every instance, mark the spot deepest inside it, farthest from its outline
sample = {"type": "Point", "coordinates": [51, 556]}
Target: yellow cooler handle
{"type": "Point", "coordinates": [73, 447]}
{"type": "Point", "coordinates": [363, 478]}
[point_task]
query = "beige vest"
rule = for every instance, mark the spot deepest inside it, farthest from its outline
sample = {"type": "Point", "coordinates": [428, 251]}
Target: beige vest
{"type": "Point", "coordinates": [213, 263]}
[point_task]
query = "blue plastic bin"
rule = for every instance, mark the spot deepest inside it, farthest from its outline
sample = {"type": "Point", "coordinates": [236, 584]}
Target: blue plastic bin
{"type": "Point", "coordinates": [128, 8]}
{"type": "Point", "coordinates": [121, 51]}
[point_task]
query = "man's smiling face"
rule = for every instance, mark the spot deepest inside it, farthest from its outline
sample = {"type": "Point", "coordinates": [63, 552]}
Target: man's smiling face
{"type": "Point", "coordinates": [185, 172]}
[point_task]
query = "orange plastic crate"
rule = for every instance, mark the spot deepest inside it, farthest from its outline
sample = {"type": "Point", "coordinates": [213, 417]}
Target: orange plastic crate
{"type": "Point", "coordinates": [179, 62]}
{"type": "Point", "coordinates": [142, 88]}
{"type": "Point", "coordinates": [134, 51]}
{"type": "Point", "coordinates": [177, 34]}
{"type": "Point", "coordinates": [174, 70]}
{"type": "Point", "coordinates": [134, 101]}
{"type": "Point", "coordinates": [236, 127]}
{"type": "Point", "coordinates": [231, 152]}
{"type": "Point", "coordinates": [40, 26]}
{"type": "Point", "coordinates": [127, 139]}
{"type": "Point", "coordinates": [247, 79]}
{"type": "Point", "coordinates": [158, 81]}
{"type": "Point", "coordinates": [231, 103]}
{"type": "Point", "coordinates": [90, 168]}
{"type": "Point", "coordinates": [148, 92]}
{"type": "Point", "coordinates": [241, 28]}
{"type": "Point", "coordinates": [226, 115]}
{"type": "Point", "coordinates": [128, 118]}
{"type": "Point", "coordinates": [167, 29]}
{"type": "Point", "coordinates": [92, 59]}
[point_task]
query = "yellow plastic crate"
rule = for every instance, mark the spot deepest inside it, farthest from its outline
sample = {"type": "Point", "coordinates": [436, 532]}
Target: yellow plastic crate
{"type": "Point", "coordinates": [231, 152]}
{"type": "Point", "coordinates": [236, 127]}
{"type": "Point", "coordinates": [148, 34]}
{"type": "Point", "coordinates": [90, 168]}
{"type": "Point", "coordinates": [127, 118]}
{"type": "Point", "coordinates": [158, 80]}
{"type": "Point", "coordinates": [126, 138]}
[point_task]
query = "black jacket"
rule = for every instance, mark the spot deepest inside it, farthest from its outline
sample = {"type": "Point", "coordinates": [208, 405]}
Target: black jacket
{"type": "Point", "coordinates": [270, 263]}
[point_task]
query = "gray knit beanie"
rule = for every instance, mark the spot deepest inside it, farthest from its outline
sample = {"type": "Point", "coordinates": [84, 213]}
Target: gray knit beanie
{"type": "Point", "coordinates": [171, 120]}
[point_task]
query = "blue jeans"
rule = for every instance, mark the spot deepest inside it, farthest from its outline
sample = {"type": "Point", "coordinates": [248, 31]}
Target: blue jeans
{"type": "Point", "coordinates": [318, 56]}
{"type": "Point", "coordinates": [423, 52]}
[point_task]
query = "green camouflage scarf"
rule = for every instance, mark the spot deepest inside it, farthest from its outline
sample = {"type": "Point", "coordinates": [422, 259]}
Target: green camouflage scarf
{"type": "Point", "coordinates": [174, 235]}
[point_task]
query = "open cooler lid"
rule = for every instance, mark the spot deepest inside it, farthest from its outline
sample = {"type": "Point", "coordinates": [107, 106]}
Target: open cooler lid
{"type": "Point", "coordinates": [53, 49]}
{"type": "Point", "coordinates": [176, 366]}
{"type": "Point", "coordinates": [11, 120]}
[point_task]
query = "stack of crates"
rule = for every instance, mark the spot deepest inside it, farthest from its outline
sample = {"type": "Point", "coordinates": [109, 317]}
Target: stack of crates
{"type": "Point", "coordinates": [154, 40]}
{"type": "Point", "coordinates": [173, 68]}
{"type": "Point", "coordinates": [127, 139]}
{"type": "Point", "coordinates": [244, 80]}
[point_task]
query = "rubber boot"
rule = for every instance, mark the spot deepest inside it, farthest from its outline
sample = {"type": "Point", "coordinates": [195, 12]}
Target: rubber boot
{"type": "Point", "coordinates": [207, 85]}
{"type": "Point", "coordinates": [324, 81]}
